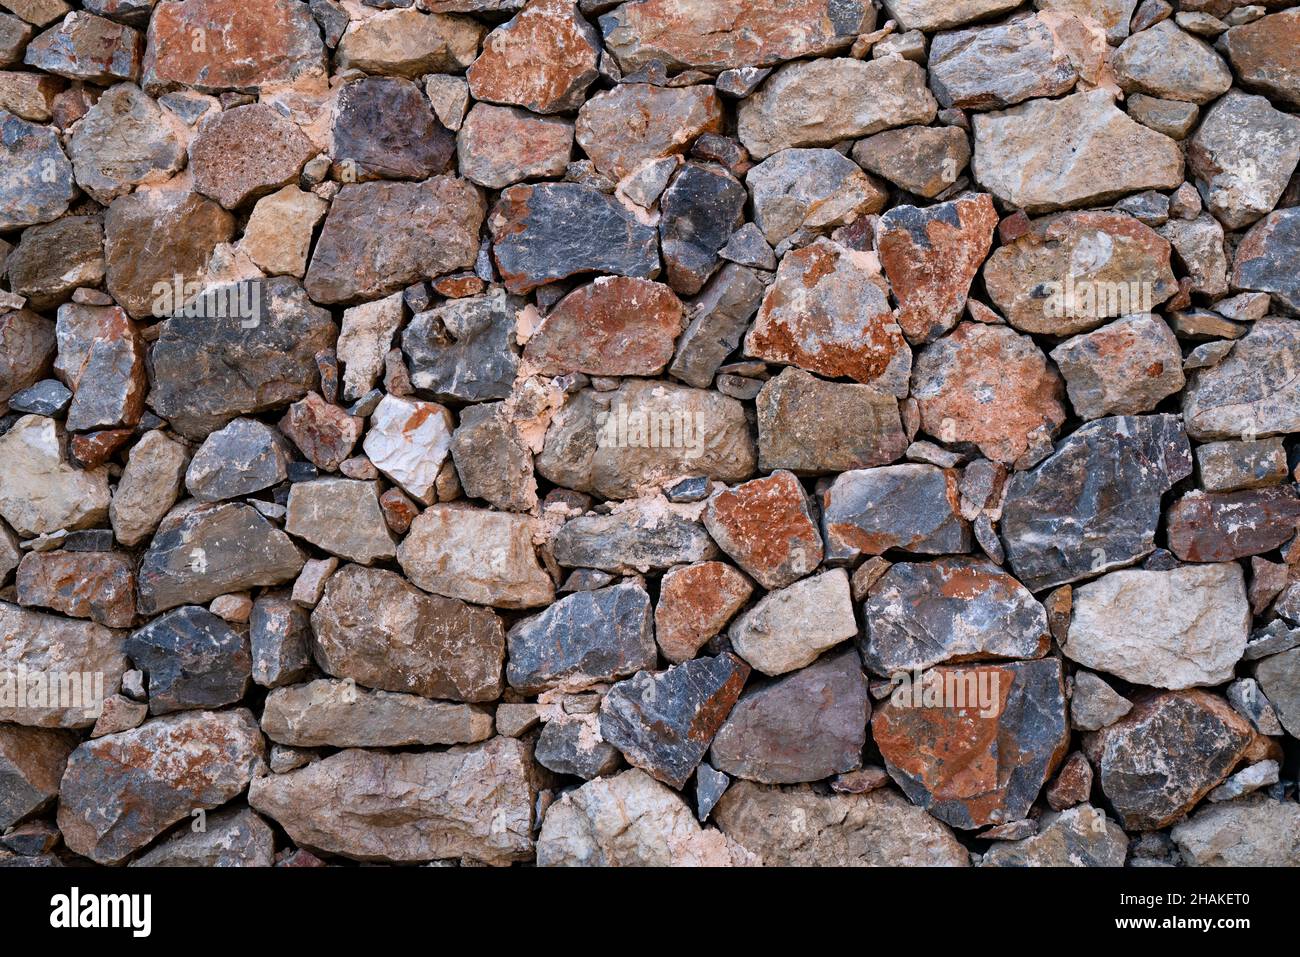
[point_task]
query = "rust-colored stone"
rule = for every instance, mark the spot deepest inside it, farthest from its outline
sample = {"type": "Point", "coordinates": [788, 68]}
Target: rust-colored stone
{"type": "Point", "coordinates": [544, 59]}
{"type": "Point", "coordinates": [624, 127]}
{"type": "Point", "coordinates": [1222, 526]}
{"type": "Point", "coordinates": [323, 432]}
{"type": "Point", "coordinates": [695, 603]}
{"type": "Point", "coordinates": [95, 585]}
{"type": "Point", "coordinates": [767, 526]}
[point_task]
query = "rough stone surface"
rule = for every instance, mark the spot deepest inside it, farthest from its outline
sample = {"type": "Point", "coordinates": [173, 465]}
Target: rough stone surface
{"type": "Point", "coordinates": [1083, 836]}
{"type": "Point", "coordinates": [1250, 832]}
{"type": "Point", "coordinates": [768, 528]}
{"type": "Point", "coordinates": [193, 660]}
{"type": "Point", "coordinates": [1123, 368]}
{"type": "Point", "coordinates": [911, 507]}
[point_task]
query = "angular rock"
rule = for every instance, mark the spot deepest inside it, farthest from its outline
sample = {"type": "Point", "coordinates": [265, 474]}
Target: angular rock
{"type": "Point", "coordinates": [37, 184]}
{"type": "Point", "coordinates": [700, 211]}
{"type": "Point", "coordinates": [981, 751]}
{"type": "Point", "coordinates": [244, 457]}
{"type": "Point", "coordinates": [636, 539]}
{"type": "Point", "coordinates": [615, 326]}
{"type": "Point", "coordinates": [1071, 272]}
{"type": "Point", "coordinates": [1080, 837]}
{"type": "Point", "coordinates": [27, 347]}
{"type": "Point", "coordinates": [645, 433]}
{"type": "Point", "coordinates": [463, 350]}
{"type": "Point", "coordinates": [721, 313]}
{"type": "Point", "coordinates": [201, 554]}
{"type": "Point", "coordinates": [572, 745]}
{"type": "Point", "coordinates": [279, 232]}
{"type": "Point", "coordinates": [633, 123]}
{"type": "Point", "coordinates": [990, 387]}
{"type": "Point", "coordinates": [1250, 394]}
{"type": "Point", "coordinates": [31, 765]}
{"type": "Point", "coordinates": [695, 603]}
{"type": "Point", "coordinates": [552, 231]}
{"type": "Point", "coordinates": [1173, 118]}
{"type": "Point", "coordinates": [768, 527]}
{"type": "Point", "coordinates": [364, 341]}
{"type": "Point", "coordinates": [380, 237]}
{"type": "Point", "coordinates": [789, 627]}
{"type": "Point", "coordinates": [87, 47]}
{"type": "Point", "coordinates": [1167, 62]}
{"type": "Point", "coordinates": [1155, 763]}
{"type": "Point", "coordinates": [811, 190]}
{"type": "Point", "coordinates": [160, 240]}
{"type": "Point", "coordinates": [279, 633]}
{"type": "Point", "coordinates": [223, 751]}
{"type": "Point", "coordinates": [40, 491]}
{"type": "Point", "coordinates": [193, 660]}
{"type": "Point", "coordinates": [148, 488]}
{"type": "Point", "coordinates": [95, 585]}
{"type": "Point", "coordinates": [880, 829]}
{"type": "Point", "coordinates": [1046, 155]}
{"type": "Point", "coordinates": [804, 726]}
{"type": "Point", "coordinates": [1263, 259]}
{"type": "Point", "coordinates": [664, 723]}
{"type": "Point", "coordinates": [476, 555]}
{"type": "Point", "coordinates": [408, 43]}
{"type": "Point", "coordinates": [342, 517]}
{"type": "Point", "coordinates": [374, 628]}
{"type": "Point", "coordinates": [1279, 677]}
{"type": "Point", "coordinates": [473, 801]}
{"type": "Point", "coordinates": [543, 59]}
{"type": "Point", "coordinates": [209, 369]}
{"type": "Point", "coordinates": [1095, 503]}
{"type": "Point", "coordinates": [1166, 629]}
{"type": "Point", "coordinates": [1264, 55]}
{"type": "Point", "coordinates": [1249, 832]}
{"type": "Point", "coordinates": [583, 638]}
{"type": "Point", "coordinates": [491, 460]}
{"type": "Point", "coordinates": [828, 312]}
{"type": "Point", "coordinates": [820, 102]}
{"type": "Point", "coordinates": [926, 15]}
{"type": "Point", "coordinates": [231, 838]}
{"type": "Point", "coordinates": [1094, 704]}
{"type": "Point", "coordinates": [1123, 368]}
{"type": "Point", "coordinates": [924, 614]}
{"type": "Point", "coordinates": [54, 259]}
{"type": "Point", "coordinates": [384, 129]}
{"type": "Point", "coordinates": [1222, 526]}
{"type": "Point", "coordinates": [1242, 156]}
{"type": "Point", "coordinates": [920, 159]}
{"type": "Point", "coordinates": [408, 441]}
{"type": "Point", "coordinates": [1232, 466]}
{"type": "Point", "coordinates": [911, 507]}
{"type": "Point", "coordinates": [338, 714]}
{"type": "Point", "coordinates": [629, 820]}
{"type": "Point", "coordinates": [502, 145]}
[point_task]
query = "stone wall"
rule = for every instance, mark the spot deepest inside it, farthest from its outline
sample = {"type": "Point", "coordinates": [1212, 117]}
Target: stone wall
{"type": "Point", "coordinates": [716, 432]}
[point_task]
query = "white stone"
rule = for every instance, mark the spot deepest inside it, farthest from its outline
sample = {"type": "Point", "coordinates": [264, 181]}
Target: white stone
{"type": "Point", "coordinates": [791, 626]}
{"type": "Point", "coordinates": [408, 441]}
{"type": "Point", "coordinates": [364, 341]}
{"type": "Point", "coordinates": [40, 491]}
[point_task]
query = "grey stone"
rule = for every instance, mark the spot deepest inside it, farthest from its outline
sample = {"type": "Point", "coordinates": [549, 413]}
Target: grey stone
{"type": "Point", "coordinates": [464, 350]}
{"type": "Point", "coordinates": [193, 660]}
{"type": "Point", "coordinates": [245, 456]}
{"type": "Point", "coordinates": [909, 507]}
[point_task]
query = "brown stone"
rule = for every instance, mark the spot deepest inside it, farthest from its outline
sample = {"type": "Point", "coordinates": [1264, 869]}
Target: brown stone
{"type": "Point", "coordinates": [247, 152]}
{"type": "Point", "coordinates": [501, 145]}
{"type": "Point", "coordinates": [695, 603]}
{"type": "Point", "coordinates": [87, 47]}
{"type": "Point", "coordinates": [95, 585]}
{"type": "Point", "coordinates": [828, 312]}
{"type": "Point", "coordinates": [1222, 526]}
{"type": "Point", "coordinates": [615, 326]}
{"type": "Point", "coordinates": [767, 526]}
{"type": "Point", "coordinates": [93, 449]}
{"type": "Point", "coordinates": [930, 256]}
{"type": "Point", "coordinates": [31, 763]}
{"type": "Point", "coordinates": [635, 122]}
{"type": "Point", "coordinates": [323, 432]}
{"type": "Point", "coordinates": [1266, 54]}
{"type": "Point", "coordinates": [215, 45]}
{"type": "Point", "coordinates": [1073, 785]}
{"type": "Point", "coordinates": [27, 348]}
{"type": "Point", "coordinates": [544, 59]}
{"type": "Point", "coordinates": [408, 43]}
{"type": "Point", "coordinates": [988, 386]}
{"type": "Point", "coordinates": [384, 129]}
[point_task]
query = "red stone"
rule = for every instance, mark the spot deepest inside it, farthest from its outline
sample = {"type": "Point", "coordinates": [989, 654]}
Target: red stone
{"type": "Point", "coordinates": [1222, 526]}
{"type": "Point", "coordinates": [695, 603]}
{"type": "Point", "coordinates": [767, 526]}
{"type": "Point", "coordinates": [95, 448]}
{"type": "Point", "coordinates": [95, 585]}
{"type": "Point", "coordinates": [323, 432]}
{"type": "Point", "coordinates": [544, 59]}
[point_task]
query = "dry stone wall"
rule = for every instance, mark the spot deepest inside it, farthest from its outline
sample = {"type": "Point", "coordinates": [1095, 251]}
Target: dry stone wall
{"type": "Point", "coordinates": [716, 432]}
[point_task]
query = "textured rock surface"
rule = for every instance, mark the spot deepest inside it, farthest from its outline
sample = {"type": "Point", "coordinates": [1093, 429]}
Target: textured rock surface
{"type": "Point", "coordinates": [1080, 837]}
{"type": "Point", "coordinates": [910, 507]}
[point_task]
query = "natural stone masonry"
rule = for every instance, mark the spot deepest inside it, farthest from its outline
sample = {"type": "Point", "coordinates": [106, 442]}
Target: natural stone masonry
{"type": "Point", "coordinates": [649, 432]}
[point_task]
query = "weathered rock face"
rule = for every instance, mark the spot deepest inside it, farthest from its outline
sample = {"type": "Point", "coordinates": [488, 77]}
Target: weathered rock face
{"type": "Point", "coordinates": [820, 102]}
{"type": "Point", "coordinates": [1166, 629]}
{"type": "Point", "coordinates": [1263, 54]}
{"type": "Point", "coordinates": [629, 820]}
{"type": "Point", "coordinates": [828, 312]}
{"type": "Point", "coordinates": [910, 507]}
{"type": "Point", "coordinates": [803, 726]}
{"type": "Point", "coordinates": [683, 34]}
{"type": "Point", "coordinates": [789, 627]}
{"type": "Point", "coordinates": [124, 140]}
{"type": "Point", "coordinates": [544, 59]}
{"type": "Point", "coordinates": [240, 154]}
{"type": "Point", "coordinates": [1248, 394]}
{"type": "Point", "coordinates": [1167, 62]}
{"type": "Point", "coordinates": [40, 491]}
{"type": "Point", "coordinates": [31, 765]}
{"type": "Point", "coordinates": [1046, 155]}
{"type": "Point", "coordinates": [552, 231]}
{"type": "Point", "coordinates": [244, 457]}
{"type": "Point", "coordinates": [501, 145]}
{"type": "Point", "coordinates": [973, 744]}
{"type": "Point", "coordinates": [95, 585]}
{"type": "Point", "coordinates": [639, 538]}
{"type": "Point", "coordinates": [810, 426]}
{"type": "Point", "coordinates": [1155, 763]}
{"type": "Point", "coordinates": [931, 256]}
{"type": "Point", "coordinates": [150, 482]}
{"type": "Point", "coordinates": [384, 129]}
{"type": "Point", "coordinates": [665, 723]}
{"type": "Point", "coordinates": [374, 628]}
{"type": "Point", "coordinates": [380, 237]}
{"type": "Point", "coordinates": [1221, 526]}
{"type": "Point", "coordinates": [37, 184]}
{"type": "Point", "coordinates": [1073, 271]}
{"type": "Point", "coordinates": [1123, 368]}
{"type": "Point", "coordinates": [32, 642]}
{"type": "Point", "coordinates": [232, 838]}
{"type": "Point", "coordinates": [614, 326]}
{"type": "Point", "coordinates": [408, 441]}
{"type": "Point", "coordinates": [338, 714]}
{"type": "Point", "coordinates": [582, 639]}
{"type": "Point", "coordinates": [879, 829]}
{"type": "Point", "coordinates": [138, 771]}
{"type": "Point", "coordinates": [953, 609]}
{"type": "Point", "coordinates": [27, 346]}
{"type": "Point", "coordinates": [1279, 677]}
{"type": "Point", "coordinates": [645, 433]}
{"type": "Point", "coordinates": [987, 386]}
{"type": "Point", "coordinates": [207, 552]}
{"type": "Point", "coordinates": [1081, 837]}
{"type": "Point", "coordinates": [472, 801]}
{"type": "Point", "coordinates": [193, 659]}
{"type": "Point", "coordinates": [695, 603]}
{"type": "Point", "coordinates": [246, 45]}
{"type": "Point", "coordinates": [767, 526]}
{"type": "Point", "coordinates": [1260, 263]}
{"type": "Point", "coordinates": [1104, 484]}
{"type": "Point", "coordinates": [810, 190]}
{"type": "Point", "coordinates": [624, 127]}
{"type": "Point", "coordinates": [463, 350]}
{"type": "Point", "coordinates": [476, 555]}
{"type": "Point", "coordinates": [406, 42]}
{"type": "Point", "coordinates": [1249, 832]}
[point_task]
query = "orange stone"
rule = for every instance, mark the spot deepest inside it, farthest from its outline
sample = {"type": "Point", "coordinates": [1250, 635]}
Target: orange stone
{"type": "Point", "coordinates": [695, 603]}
